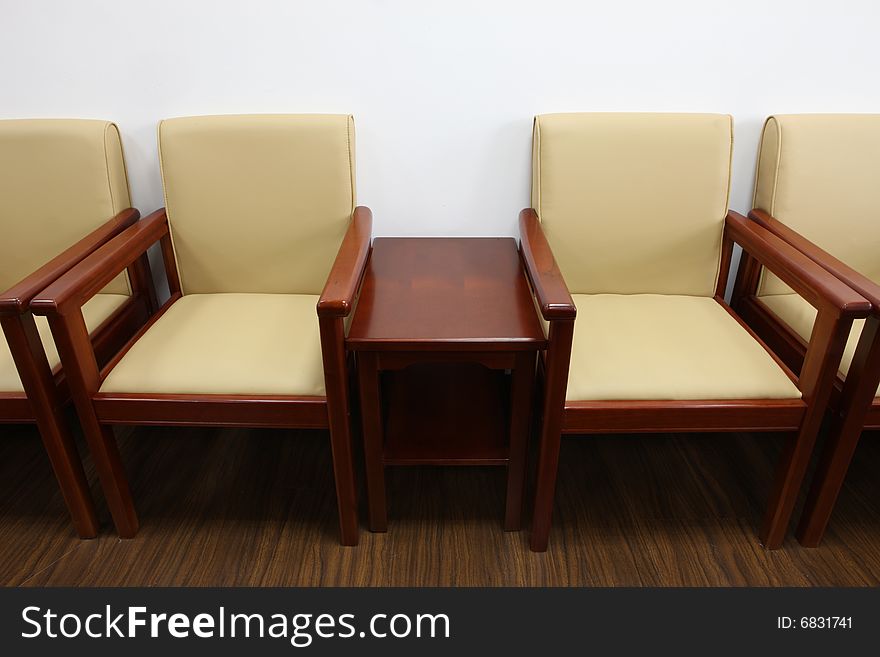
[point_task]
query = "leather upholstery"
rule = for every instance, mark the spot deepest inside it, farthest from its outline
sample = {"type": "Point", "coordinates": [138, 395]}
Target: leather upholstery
{"type": "Point", "coordinates": [257, 204]}
{"type": "Point", "coordinates": [633, 206]}
{"type": "Point", "coordinates": [227, 344]}
{"type": "Point", "coordinates": [665, 347]}
{"type": "Point", "coordinates": [59, 180]}
{"type": "Point", "coordinates": [818, 173]}
{"type": "Point", "coordinates": [800, 316]}
{"type": "Point", "coordinates": [633, 203]}
{"type": "Point", "coordinates": [98, 308]}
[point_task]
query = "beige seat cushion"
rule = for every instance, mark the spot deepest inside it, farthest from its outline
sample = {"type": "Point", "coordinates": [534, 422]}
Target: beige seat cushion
{"type": "Point", "coordinates": [99, 308]}
{"type": "Point", "coordinates": [60, 179]}
{"type": "Point", "coordinates": [663, 347]}
{"type": "Point", "coordinates": [248, 344]}
{"type": "Point", "coordinates": [257, 204]}
{"type": "Point", "coordinates": [800, 316]}
{"type": "Point", "coordinates": [633, 203]}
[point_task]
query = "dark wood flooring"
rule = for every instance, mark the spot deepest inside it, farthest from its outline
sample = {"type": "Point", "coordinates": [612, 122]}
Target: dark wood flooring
{"type": "Point", "coordinates": [256, 508]}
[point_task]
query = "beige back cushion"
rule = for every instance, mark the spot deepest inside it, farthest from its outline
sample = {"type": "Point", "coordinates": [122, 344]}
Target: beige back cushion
{"type": "Point", "coordinates": [60, 179]}
{"type": "Point", "coordinates": [820, 175]}
{"type": "Point", "coordinates": [633, 203]}
{"type": "Point", "coordinates": [257, 204]}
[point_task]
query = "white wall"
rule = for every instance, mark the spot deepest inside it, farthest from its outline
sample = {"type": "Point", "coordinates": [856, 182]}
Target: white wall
{"type": "Point", "coordinates": [442, 92]}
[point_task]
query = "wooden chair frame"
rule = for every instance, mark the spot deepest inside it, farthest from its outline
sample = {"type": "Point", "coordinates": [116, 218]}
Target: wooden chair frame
{"type": "Point", "coordinates": [62, 303]}
{"type": "Point", "coordinates": [837, 306]}
{"type": "Point", "coordinates": [46, 392]}
{"type": "Point", "coordinates": [854, 402]}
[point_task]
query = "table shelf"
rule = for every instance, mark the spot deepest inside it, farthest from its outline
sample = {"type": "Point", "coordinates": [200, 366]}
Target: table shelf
{"type": "Point", "coordinates": [446, 414]}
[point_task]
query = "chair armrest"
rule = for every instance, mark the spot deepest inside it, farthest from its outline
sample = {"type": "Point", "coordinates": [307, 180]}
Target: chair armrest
{"type": "Point", "coordinates": [861, 284]}
{"type": "Point", "coordinates": [73, 289]}
{"type": "Point", "coordinates": [546, 279]}
{"type": "Point", "coordinates": [337, 298]}
{"type": "Point", "coordinates": [816, 285]}
{"type": "Point", "coordinates": [17, 299]}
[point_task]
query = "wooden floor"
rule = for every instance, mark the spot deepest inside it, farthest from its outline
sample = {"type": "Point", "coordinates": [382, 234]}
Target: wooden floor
{"type": "Point", "coordinates": [256, 508]}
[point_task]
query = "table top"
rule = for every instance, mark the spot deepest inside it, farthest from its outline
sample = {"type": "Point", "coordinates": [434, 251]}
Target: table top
{"type": "Point", "coordinates": [445, 294]}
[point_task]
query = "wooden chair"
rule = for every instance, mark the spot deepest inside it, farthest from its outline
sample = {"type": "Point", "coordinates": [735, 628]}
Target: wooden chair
{"type": "Point", "coordinates": [630, 215]}
{"type": "Point", "coordinates": [63, 194]}
{"type": "Point", "coordinates": [817, 189]}
{"type": "Point", "coordinates": [264, 252]}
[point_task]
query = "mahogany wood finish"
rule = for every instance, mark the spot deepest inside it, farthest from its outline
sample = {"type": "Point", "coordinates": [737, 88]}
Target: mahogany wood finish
{"type": "Point", "coordinates": [372, 428]}
{"type": "Point", "coordinates": [46, 392]}
{"type": "Point", "coordinates": [855, 406]}
{"type": "Point", "coordinates": [196, 410]}
{"type": "Point", "coordinates": [46, 410]}
{"type": "Point", "coordinates": [682, 416]}
{"type": "Point", "coordinates": [16, 408]}
{"type": "Point", "coordinates": [837, 305]}
{"type": "Point", "coordinates": [455, 402]}
{"type": "Point", "coordinates": [557, 360]}
{"type": "Point", "coordinates": [62, 303]}
{"type": "Point", "coordinates": [790, 347]}
{"type": "Point", "coordinates": [852, 417]}
{"type": "Point", "coordinates": [337, 301]}
{"type": "Point", "coordinates": [17, 298]}
{"type": "Point", "coordinates": [546, 280]}
{"type": "Point", "coordinates": [861, 284]}
{"type": "Point", "coordinates": [445, 294]}
{"type": "Point", "coordinates": [438, 323]}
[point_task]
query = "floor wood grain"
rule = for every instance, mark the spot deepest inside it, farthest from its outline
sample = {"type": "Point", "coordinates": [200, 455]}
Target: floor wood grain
{"type": "Point", "coordinates": [255, 508]}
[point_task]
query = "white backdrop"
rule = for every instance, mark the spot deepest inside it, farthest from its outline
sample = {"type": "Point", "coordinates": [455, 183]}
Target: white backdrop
{"type": "Point", "coordinates": [443, 92]}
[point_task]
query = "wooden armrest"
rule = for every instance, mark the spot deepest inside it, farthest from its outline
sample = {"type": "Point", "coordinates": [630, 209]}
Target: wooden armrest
{"type": "Point", "coordinates": [92, 274]}
{"type": "Point", "coordinates": [816, 285]}
{"type": "Point", "coordinates": [337, 299]}
{"type": "Point", "coordinates": [861, 284]}
{"type": "Point", "coordinates": [546, 279]}
{"type": "Point", "coordinates": [17, 299]}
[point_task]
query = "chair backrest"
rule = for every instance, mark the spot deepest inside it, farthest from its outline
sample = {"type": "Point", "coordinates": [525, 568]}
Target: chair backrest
{"type": "Point", "coordinates": [59, 180]}
{"type": "Point", "coordinates": [820, 175]}
{"type": "Point", "coordinates": [633, 203]}
{"type": "Point", "coordinates": [258, 203]}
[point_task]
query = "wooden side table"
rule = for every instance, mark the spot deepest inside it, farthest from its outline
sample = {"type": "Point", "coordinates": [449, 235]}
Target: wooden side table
{"type": "Point", "coordinates": [446, 338]}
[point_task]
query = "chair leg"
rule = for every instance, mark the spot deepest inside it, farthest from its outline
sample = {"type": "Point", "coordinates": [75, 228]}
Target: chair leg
{"type": "Point", "coordinates": [78, 358]}
{"type": "Point", "coordinates": [827, 482]}
{"type": "Point", "coordinates": [552, 413]}
{"type": "Point", "coordinates": [828, 339]}
{"type": "Point", "coordinates": [336, 380]}
{"type": "Point", "coordinates": [786, 486]}
{"type": "Point", "coordinates": [67, 465]}
{"type": "Point", "coordinates": [545, 490]}
{"type": "Point", "coordinates": [855, 402]}
{"type": "Point", "coordinates": [105, 453]}
{"type": "Point", "coordinates": [24, 343]}
{"type": "Point", "coordinates": [346, 488]}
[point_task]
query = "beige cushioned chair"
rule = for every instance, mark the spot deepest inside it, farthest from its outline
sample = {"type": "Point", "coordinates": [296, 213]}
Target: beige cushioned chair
{"type": "Point", "coordinates": [633, 209]}
{"type": "Point", "coordinates": [262, 236]}
{"type": "Point", "coordinates": [63, 193]}
{"type": "Point", "coordinates": [252, 260]}
{"type": "Point", "coordinates": [817, 188]}
{"type": "Point", "coordinates": [59, 181]}
{"type": "Point", "coordinates": [821, 181]}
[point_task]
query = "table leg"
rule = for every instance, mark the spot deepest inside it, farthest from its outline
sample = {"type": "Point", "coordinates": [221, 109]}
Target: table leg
{"type": "Point", "coordinates": [371, 417]}
{"type": "Point", "coordinates": [521, 390]}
